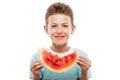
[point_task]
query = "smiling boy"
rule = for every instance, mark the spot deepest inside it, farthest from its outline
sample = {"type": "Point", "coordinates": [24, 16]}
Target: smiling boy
{"type": "Point", "coordinates": [59, 26]}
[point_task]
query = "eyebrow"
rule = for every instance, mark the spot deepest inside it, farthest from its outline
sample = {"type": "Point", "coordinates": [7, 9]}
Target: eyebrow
{"type": "Point", "coordinates": [53, 23]}
{"type": "Point", "coordinates": [66, 23]}
{"type": "Point", "coordinates": [56, 23]}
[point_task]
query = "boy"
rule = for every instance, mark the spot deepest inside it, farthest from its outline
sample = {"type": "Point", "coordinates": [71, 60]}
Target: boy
{"type": "Point", "coordinates": [59, 26]}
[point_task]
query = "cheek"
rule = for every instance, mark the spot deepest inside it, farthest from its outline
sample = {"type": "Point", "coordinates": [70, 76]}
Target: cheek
{"type": "Point", "coordinates": [51, 32]}
{"type": "Point", "coordinates": [67, 31]}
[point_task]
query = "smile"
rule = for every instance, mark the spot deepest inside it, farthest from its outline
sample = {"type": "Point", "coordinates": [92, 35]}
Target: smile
{"type": "Point", "coordinates": [59, 37]}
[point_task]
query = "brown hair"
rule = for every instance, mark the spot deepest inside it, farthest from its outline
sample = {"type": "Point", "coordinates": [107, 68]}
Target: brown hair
{"type": "Point", "coordinates": [60, 8]}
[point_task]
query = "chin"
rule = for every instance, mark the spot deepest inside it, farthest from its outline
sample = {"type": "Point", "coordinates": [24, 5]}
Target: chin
{"type": "Point", "coordinates": [60, 44]}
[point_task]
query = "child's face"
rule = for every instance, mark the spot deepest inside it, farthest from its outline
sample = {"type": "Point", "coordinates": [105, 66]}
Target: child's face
{"type": "Point", "coordinates": [59, 28]}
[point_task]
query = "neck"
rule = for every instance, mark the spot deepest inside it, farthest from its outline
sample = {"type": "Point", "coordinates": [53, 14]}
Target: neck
{"type": "Point", "coordinates": [61, 48]}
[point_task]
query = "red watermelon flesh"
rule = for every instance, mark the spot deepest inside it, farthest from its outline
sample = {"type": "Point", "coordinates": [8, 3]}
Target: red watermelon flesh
{"type": "Point", "coordinates": [56, 63]}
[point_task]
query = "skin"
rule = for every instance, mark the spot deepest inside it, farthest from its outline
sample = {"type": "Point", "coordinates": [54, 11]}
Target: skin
{"type": "Point", "coordinates": [35, 69]}
{"type": "Point", "coordinates": [59, 28]}
{"type": "Point", "coordinates": [85, 64]}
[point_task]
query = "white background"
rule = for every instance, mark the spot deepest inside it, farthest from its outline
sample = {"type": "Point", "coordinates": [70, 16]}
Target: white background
{"type": "Point", "coordinates": [97, 33]}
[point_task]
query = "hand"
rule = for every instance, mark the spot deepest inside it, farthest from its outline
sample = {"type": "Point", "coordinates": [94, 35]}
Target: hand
{"type": "Point", "coordinates": [36, 67]}
{"type": "Point", "coordinates": [84, 63]}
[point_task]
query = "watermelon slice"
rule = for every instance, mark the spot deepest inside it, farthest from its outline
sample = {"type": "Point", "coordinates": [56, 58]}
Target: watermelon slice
{"type": "Point", "coordinates": [56, 63]}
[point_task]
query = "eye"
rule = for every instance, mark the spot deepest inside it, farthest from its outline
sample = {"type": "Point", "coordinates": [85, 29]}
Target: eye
{"type": "Point", "coordinates": [54, 26]}
{"type": "Point", "coordinates": [65, 25]}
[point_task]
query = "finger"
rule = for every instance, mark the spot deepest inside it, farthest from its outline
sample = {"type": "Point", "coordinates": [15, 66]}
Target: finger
{"type": "Point", "coordinates": [88, 62]}
{"type": "Point", "coordinates": [81, 63]}
{"type": "Point", "coordinates": [38, 63]}
{"type": "Point", "coordinates": [82, 60]}
{"type": "Point", "coordinates": [83, 66]}
{"type": "Point", "coordinates": [33, 66]}
{"type": "Point", "coordinates": [38, 67]}
{"type": "Point", "coordinates": [85, 60]}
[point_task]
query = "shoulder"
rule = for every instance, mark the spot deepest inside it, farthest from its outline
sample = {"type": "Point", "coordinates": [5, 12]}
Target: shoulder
{"type": "Point", "coordinates": [81, 53]}
{"type": "Point", "coordinates": [34, 58]}
{"type": "Point", "coordinates": [35, 55]}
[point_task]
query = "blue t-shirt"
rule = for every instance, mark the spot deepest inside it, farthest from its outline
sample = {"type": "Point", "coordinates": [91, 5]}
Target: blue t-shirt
{"type": "Point", "coordinates": [71, 74]}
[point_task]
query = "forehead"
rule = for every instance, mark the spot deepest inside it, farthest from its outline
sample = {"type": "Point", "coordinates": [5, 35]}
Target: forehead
{"type": "Point", "coordinates": [59, 18]}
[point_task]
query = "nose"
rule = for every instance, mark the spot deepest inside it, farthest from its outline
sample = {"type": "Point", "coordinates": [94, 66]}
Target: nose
{"type": "Point", "coordinates": [59, 29]}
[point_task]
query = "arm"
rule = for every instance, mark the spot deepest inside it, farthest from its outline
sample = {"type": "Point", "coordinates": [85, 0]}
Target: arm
{"type": "Point", "coordinates": [36, 78]}
{"type": "Point", "coordinates": [35, 69]}
{"type": "Point", "coordinates": [83, 77]}
{"type": "Point", "coordinates": [85, 64]}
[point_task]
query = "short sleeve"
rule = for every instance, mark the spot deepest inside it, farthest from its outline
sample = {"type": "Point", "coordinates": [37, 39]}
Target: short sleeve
{"type": "Point", "coordinates": [33, 59]}
{"type": "Point", "coordinates": [81, 53]}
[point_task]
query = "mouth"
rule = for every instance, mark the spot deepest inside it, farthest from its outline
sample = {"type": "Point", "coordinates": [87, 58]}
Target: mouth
{"type": "Point", "coordinates": [59, 37]}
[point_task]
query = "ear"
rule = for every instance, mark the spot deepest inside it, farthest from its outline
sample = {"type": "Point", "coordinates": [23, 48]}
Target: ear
{"type": "Point", "coordinates": [46, 29]}
{"type": "Point", "coordinates": [73, 29]}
